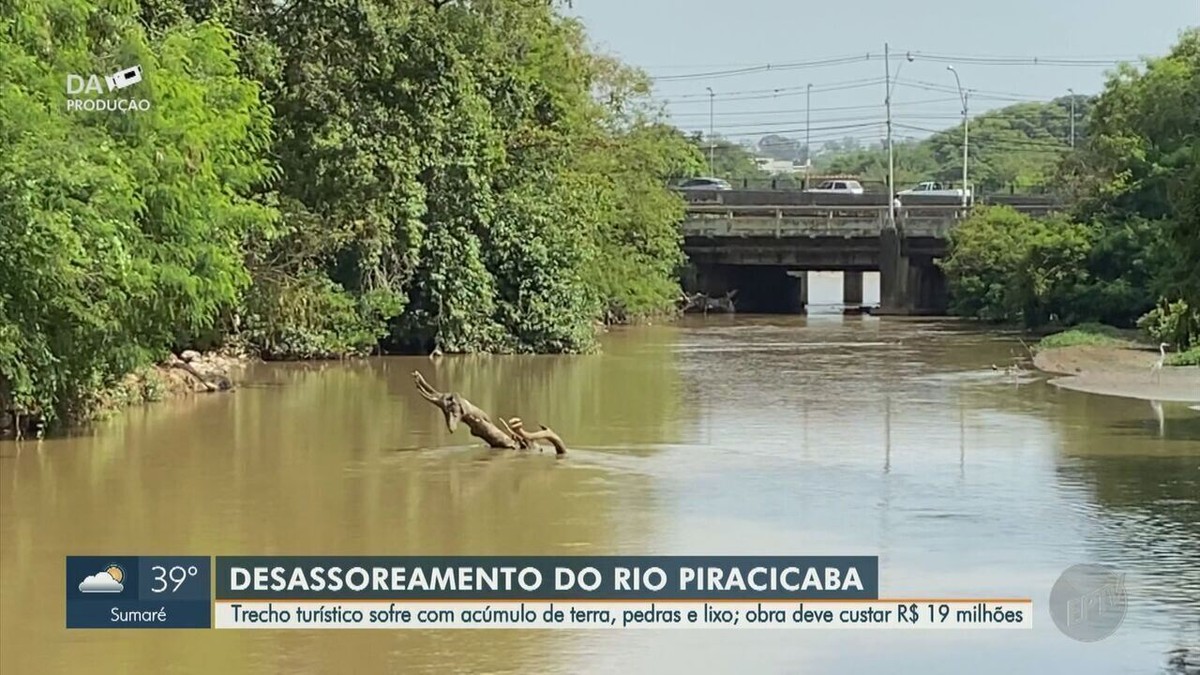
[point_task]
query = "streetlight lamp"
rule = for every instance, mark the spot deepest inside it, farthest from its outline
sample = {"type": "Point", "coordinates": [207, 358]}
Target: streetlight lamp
{"type": "Point", "coordinates": [1072, 92]}
{"type": "Point", "coordinates": [966, 131]}
{"type": "Point", "coordinates": [889, 84]}
{"type": "Point", "coordinates": [807, 133]}
{"type": "Point", "coordinates": [711, 143]}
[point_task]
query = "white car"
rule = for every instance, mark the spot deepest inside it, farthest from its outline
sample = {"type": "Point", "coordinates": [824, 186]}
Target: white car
{"type": "Point", "coordinates": [934, 189]}
{"type": "Point", "coordinates": [705, 184]}
{"type": "Point", "coordinates": [845, 187]}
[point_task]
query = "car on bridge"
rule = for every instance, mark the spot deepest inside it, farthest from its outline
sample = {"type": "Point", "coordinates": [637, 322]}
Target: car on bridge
{"type": "Point", "coordinates": [704, 183]}
{"type": "Point", "coordinates": [934, 189]}
{"type": "Point", "coordinates": [843, 187]}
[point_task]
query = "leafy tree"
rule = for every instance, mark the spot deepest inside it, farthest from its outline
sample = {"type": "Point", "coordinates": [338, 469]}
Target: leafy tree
{"type": "Point", "coordinates": [447, 177]}
{"type": "Point", "coordinates": [1007, 266]}
{"type": "Point", "coordinates": [1139, 173]}
{"type": "Point", "coordinates": [1135, 174]}
{"type": "Point", "coordinates": [468, 175]}
{"type": "Point", "coordinates": [122, 231]}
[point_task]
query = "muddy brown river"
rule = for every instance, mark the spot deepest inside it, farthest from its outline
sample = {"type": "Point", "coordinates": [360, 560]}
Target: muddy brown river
{"type": "Point", "coordinates": [748, 435]}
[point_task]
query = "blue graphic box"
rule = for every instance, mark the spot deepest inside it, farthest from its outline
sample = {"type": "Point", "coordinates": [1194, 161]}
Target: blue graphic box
{"type": "Point", "coordinates": [139, 592]}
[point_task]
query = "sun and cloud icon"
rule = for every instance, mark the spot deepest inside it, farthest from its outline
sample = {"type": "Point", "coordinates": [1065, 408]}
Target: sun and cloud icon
{"type": "Point", "coordinates": [107, 581]}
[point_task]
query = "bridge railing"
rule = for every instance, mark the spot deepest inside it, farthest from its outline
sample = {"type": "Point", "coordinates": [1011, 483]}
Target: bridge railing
{"type": "Point", "coordinates": [820, 210]}
{"type": "Point", "coordinates": [792, 220]}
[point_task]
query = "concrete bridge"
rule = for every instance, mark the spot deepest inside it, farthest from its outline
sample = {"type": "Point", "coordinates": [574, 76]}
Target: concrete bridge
{"type": "Point", "coordinates": [765, 252]}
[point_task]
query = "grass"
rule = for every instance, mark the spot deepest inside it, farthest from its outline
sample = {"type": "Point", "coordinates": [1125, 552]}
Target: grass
{"type": "Point", "coordinates": [1189, 358]}
{"type": "Point", "coordinates": [1090, 334]}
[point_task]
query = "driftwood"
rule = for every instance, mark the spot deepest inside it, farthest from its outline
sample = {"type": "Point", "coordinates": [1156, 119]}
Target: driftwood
{"type": "Point", "coordinates": [513, 435]}
{"type": "Point", "coordinates": [701, 303]}
{"type": "Point", "coordinates": [210, 383]}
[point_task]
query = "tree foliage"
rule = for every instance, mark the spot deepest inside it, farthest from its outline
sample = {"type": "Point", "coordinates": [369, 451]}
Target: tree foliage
{"type": "Point", "coordinates": [122, 232]}
{"type": "Point", "coordinates": [1007, 266]}
{"type": "Point", "coordinates": [1137, 179]}
{"type": "Point", "coordinates": [319, 178]}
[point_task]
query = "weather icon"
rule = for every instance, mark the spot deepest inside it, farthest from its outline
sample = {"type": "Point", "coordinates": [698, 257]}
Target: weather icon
{"type": "Point", "coordinates": [108, 581]}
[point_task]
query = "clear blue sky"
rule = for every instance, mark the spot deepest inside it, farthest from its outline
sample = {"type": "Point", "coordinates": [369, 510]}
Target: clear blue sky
{"type": "Point", "coordinates": [673, 38]}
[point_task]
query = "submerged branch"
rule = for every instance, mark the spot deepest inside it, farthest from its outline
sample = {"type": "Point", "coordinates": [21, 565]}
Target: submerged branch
{"type": "Point", "coordinates": [457, 409]}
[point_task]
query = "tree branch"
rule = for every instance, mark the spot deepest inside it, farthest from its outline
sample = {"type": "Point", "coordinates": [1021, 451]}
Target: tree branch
{"type": "Point", "coordinates": [457, 409]}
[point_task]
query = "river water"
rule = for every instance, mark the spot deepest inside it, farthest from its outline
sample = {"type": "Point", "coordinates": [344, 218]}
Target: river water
{"type": "Point", "coordinates": [747, 435]}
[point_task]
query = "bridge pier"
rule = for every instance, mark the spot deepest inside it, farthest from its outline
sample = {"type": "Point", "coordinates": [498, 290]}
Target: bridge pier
{"type": "Point", "coordinates": [798, 294]}
{"type": "Point", "coordinates": [908, 286]}
{"type": "Point", "coordinates": [927, 288]}
{"type": "Point", "coordinates": [893, 273]}
{"type": "Point", "coordinates": [852, 287]}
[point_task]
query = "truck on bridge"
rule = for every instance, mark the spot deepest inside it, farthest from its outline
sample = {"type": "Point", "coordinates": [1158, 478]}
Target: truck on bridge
{"type": "Point", "coordinates": [935, 189]}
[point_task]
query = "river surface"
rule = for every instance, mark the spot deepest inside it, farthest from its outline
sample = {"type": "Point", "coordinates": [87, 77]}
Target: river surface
{"type": "Point", "coordinates": [751, 435]}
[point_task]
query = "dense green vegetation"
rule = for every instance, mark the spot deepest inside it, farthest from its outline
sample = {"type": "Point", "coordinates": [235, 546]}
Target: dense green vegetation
{"type": "Point", "coordinates": [1130, 252]}
{"type": "Point", "coordinates": [1085, 334]}
{"type": "Point", "coordinates": [319, 178]}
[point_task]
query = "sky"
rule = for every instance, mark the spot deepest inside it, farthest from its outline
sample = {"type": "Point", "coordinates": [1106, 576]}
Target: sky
{"type": "Point", "coordinates": [837, 47]}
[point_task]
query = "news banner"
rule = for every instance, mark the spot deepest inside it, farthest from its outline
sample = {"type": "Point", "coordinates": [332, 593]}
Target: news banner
{"type": "Point", "coordinates": [606, 592]}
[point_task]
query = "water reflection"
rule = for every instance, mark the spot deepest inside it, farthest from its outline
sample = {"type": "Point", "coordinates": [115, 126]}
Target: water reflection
{"type": "Point", "coordinates": [783, 435]}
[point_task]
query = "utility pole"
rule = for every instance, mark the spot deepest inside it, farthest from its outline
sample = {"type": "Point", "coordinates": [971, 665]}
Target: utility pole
{"type": "Point", "coordinates": [807, 133]}
{"type": "Point", "coordinates": [966, 131]}
{"type": "Point", "coordinates": [712, 144]}
{"type": "Point", "coordinates": [889, 82]}
{"type": "Point", "coordinates": [1072, 92]}
{"type": "Point", "coordinates": [887, 104]}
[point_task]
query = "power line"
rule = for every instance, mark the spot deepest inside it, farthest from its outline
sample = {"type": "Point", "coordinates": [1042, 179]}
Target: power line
{"type": "Point", "coordinates": [1099, 58]}
{"type": "Point", "coordinates": [736, 70]}
{"type": "Point", "coordinates": [976, 93]}
{"type": "Point", "coordinates": [743, 120]}
{"type": "Point", "coordinates": [834, 127]}
{"type": "Point", "coordinates": [833, 86]}
{"type": "Point", "coordinates": [782, 92]}
{"type": "Point", "coordinates": [853, 130]}
{"type": "Point", "coordinates": [801, 111]}
{"type": "Point", "coordinates": [1023, 142]}
{"type": "Point", "coordinates": [1018, 60]}
{"type": "Point", "coordinates": [826, 124]}
{"type": "Point", "coordinates": [768, 67]}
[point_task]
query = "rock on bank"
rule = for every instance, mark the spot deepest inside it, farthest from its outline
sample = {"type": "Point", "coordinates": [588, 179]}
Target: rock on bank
{"type": "Point", "coordinates": [187, 373]}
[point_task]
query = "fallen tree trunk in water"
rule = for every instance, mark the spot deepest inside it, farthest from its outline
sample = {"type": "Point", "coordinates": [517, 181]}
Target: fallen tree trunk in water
{"type": "Point", "coordinates": [457, 409]}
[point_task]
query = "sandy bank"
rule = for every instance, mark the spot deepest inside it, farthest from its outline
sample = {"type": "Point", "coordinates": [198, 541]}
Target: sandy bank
{"type": "Point", "coordinates": [1119, 371]}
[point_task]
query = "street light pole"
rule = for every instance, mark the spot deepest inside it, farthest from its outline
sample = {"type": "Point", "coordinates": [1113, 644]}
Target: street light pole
{"type": "Point", "coordinates": [807, 133]}
{"type": "Point", "coordinates": [1072, 92]}
{"type": "Point", "coordinates": [711, 142]}
{"type": "Point", "coordinates": [889, 82]}
{"type": "Point", "coordinates": [966, 131]}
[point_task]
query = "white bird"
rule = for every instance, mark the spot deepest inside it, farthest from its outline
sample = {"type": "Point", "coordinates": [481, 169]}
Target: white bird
{"type": "Point", "coordinates": [1162, 358]}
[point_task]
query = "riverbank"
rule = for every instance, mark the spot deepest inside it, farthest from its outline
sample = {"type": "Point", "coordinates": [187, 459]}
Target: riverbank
{"type": "Point", "coordinates": [187, 374]}
{"type": "Point", "coordinates": [1118, 370]}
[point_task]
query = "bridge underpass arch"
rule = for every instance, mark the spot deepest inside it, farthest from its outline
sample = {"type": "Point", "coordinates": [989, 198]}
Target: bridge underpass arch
{"type": "Point", "coordinates": [784, 289]}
